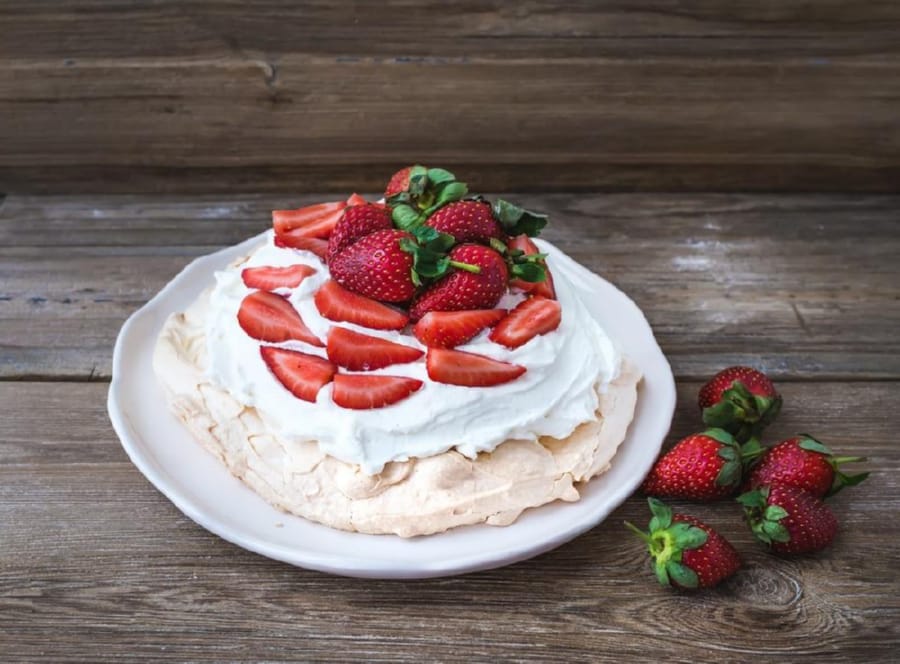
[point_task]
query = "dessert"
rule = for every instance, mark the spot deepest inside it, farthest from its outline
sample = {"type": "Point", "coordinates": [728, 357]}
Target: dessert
{"type": "Point", "coordinates": [404, 366]}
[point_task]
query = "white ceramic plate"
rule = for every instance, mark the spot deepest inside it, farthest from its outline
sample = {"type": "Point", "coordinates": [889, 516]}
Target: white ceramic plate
{"type": "Point", "coordinates": [202, 488]}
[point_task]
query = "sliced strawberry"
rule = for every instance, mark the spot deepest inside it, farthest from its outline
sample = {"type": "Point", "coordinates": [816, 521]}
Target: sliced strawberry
{"type": "Point", "coordinates": [532, 317]}
{"type": "Point", "coordinates": [361, 352]}
{"type": "Point", "coordinates": [456, 367]}
{"type": "Point", "coordinates": [362, 392]}
{"type": "Point", "coordinates": [270, 278]}
{"type": "Point", "coordinates": [269, 317]}
{"type": "Point", "coordinates": [356, 199]}
{"type": "Point", "coordinates": [310, 221]}
{"type": "Point", "coordinates": [338, 304]}
{"type": "Point", "coordinates": [315, 245]}
{"type": "Point", "coordinates": [447, 329]}
{"type": "Point", "coordinates": [302, 374]}
{"type": "Point", "coordinates": [543, 288]}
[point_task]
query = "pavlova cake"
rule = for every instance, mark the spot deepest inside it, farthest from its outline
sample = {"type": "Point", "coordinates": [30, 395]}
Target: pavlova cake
{"type": "Point", "coordinates": [404, 366]}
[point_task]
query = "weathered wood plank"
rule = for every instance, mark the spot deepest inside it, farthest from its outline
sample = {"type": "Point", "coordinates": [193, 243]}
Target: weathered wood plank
{"type": "Point", "coordinates": [767, 95]}
{"type": "Point", "coordinates": [804, 286]}
{"type": "Point", "coordinates": [94, 560]}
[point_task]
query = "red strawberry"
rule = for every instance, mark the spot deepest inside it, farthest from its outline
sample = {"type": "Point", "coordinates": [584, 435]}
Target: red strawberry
{"type": "Point", "coordinates": [740, 400]}
{"type": "Point", "coordinates": [456, 367]}
{"type": "Point", "coordinates": [270, 278]}
{"type": "Point", "coordinates": [361, 352]}
{"type": "Point", "coordinates": [336, 303]}
{"type": "Point", "coordinates": [310, 221]}
{"type": "Point", "coordinates": [805, 463]}
{"type": "Point", "coordinates": [317, 246]}
{"type": "Point", "coordinates": [532, 317]}
{"type": "Point", "coordinates": [466, 221]}
{"type": "Point", "coordinates": [269, 317]}
{"type": "Point", "coordinates": [362, 392]}
{"type": "Point", "coordinates": [464, 288]}
{"type": "Point", "coordinates": [447, 329]}
{"type": "Point", "coordinates": [703, 466]}
{"type": "Point", "coordinates": [399, 182]}
{"type": "Point", "coordinates": [376, 266]}
{"type": "Point", "coordinates": [302, 374]}
{"type": "Point", "coordinates": [686, 553]}
{"type": "Point", "coordinates": [789, 519]}
{"type": "Point", "coordinates": [356, 199]}
{"type": "Point", "coordinates": [357, 222]}
{"type": "Point", "coordinates": [545, 288]}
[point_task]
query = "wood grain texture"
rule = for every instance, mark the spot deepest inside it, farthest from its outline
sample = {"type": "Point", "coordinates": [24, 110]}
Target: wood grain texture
{"type": "Point", "coordinates": [95, 563]}
{"type": "Point", "coordinates": [174, 96]}
{"type": "Point", "coordinates": [802, 286]}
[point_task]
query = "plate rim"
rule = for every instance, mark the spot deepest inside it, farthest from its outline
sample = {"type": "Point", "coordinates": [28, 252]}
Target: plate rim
{"type": "Point", "coordinates": [353, 565]}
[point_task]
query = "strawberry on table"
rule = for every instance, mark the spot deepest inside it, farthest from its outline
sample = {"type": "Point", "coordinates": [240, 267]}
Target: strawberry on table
{"type": "Point", "coordinates": [336, 303]}
{"type": "Point", "coordinates": [466, 221]}
{"type": "Point", "coordinates": [269, 317]}
{"type": "Point", "coordinates": [478, 281]}
{"type": "Point", "coordinates": [686, 553]}
{"type": "Point", "coordinates": [376, 266]}
{"type": "Point", "coordinates": [702, 466]}
{"type": "Point", "coordinates": [363, 392]}
{"type": "Point", "coordinates": [456, 367]}
{"type": "Point", "coordinates": [357, 222]}
{"type": "Point", "coordinates": [447, 329]}
{"type": "Point", "coordinates": [362, 352]}
{"type": "Point", "coordinates": [806, 463]}
{"type": "Point", "coordinates": [544, 287]}
{"type": "Point", "coordinates": [740, 400]}
{"type": "Point", "coordinates": [270, 278]}
{"type": "Point", "coordinates": [302, 374]}
{"type": "Point", "coordinates": [788, 519]}
{"type": "Point", "coordinates": [532, 317]}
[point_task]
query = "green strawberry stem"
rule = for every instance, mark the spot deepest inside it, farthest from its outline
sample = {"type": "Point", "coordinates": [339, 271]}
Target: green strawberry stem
{"type": "Point", "coordinates": [637, 531]}
{"type": "Point", "coordinates": [840, 460]}
{"type": "Point", "coordinates": [474, 269]}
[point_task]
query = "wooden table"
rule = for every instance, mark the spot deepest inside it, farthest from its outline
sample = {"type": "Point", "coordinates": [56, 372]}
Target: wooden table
{"type": "Point", "coordinates": [96, 564]}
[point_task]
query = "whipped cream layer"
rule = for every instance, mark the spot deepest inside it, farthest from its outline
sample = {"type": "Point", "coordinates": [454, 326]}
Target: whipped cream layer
{"type": "Point", "coordinates": [565, 371]}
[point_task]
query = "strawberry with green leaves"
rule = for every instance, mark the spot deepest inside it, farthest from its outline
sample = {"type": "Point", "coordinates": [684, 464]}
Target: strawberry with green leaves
{"type": "Point", "coordinates": [806, 463]}
{"type": "Point", "coordinates": [702, 466]}
{"type": "Point", "coordinates": [376, 266]}
{"type": "Point", "coordinates": [788, 519]}
{"type": "Point", "coordinates": [740, 400]}
{"type": "Point", "coordinates": [687, 554]}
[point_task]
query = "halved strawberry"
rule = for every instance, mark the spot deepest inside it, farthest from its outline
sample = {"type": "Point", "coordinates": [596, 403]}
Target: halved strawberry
{"type": "Point", "coordinates": [338, 304]}
{"type": "Point", "coordinates": [302, 374]}
{"type": "Point", "coordinates": [447, 329]}
{"type": "Point", "coordinates": [457, 367]}
{"type": "Point", "coordinates": [532, 317]}
{"type": "Point", "coordinates": [269, 317]}
{"type": "Point", "coordinates": [310, 221]}
{"type": "Point", "coordinates": [316, 245]}
{"type": "Point", "coordinates": [544, 288]}
{"type": "Point", "coordinates": [270, 278]}
{"type": "Point", "coordinates": [362, 392]}
{"type": "Point", "coordinates": [361, 352]}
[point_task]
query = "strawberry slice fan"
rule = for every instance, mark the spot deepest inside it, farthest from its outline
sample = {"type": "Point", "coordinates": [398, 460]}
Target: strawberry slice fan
{"type": "Point", "coordinates": [431, 254]}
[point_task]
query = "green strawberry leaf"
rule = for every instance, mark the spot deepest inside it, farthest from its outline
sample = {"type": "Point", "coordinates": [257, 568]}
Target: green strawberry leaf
{"type": "Point", "coordinates": [729, 474]}
{"type": "Point", "coordinates": [530, 272]}
{"type": "Point", "coordinates": [516, 221]}
{"type": "Point", "coordinates": [440, 175]}
{"type": "Point", "coordinates": [661, 574]}
{"type": "Point", "coordinates": [405, 217]}
{"type": "Point", "coordinates": [812, 445]}
{"type": "Point", "coordinates": [720, 435]}
{"type": "Point", "coordinates": [775, 513]}
{"type": "Point", "coordinates": [754, 499]}
{"type": "Point", "coordinates": [775, 531]}
{"type": "Point", "coordinates": [660, 511]}
{"type": "Point", "coordinates": [681, 574]}
{"type": "Point", "coordinates": [690, 537]}
{"type": "Point", "coordinates": [448, 193]}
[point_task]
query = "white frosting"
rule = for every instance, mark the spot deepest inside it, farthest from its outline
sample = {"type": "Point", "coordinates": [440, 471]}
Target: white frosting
{"type": "Point", "coordinates": [565, 370]}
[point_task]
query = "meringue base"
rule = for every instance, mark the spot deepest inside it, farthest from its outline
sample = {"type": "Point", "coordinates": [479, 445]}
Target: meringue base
{"type": "Point", "coordinates": [416, 497]}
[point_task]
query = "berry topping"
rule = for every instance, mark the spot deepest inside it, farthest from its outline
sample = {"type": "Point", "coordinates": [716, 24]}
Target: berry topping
{"type": "Point", "coordinates": [376, 266]}
{"type": "Point", "coordinates": [532, 317]}
{"type": "Point", "coordinates": [269, 317]}
{"type": "Point", "coordinates": [361, 352]}
{"type": "Point", "coordinates": [302, 374]}
{"type": "Point", "coordinates": [456, 367]}
{"type": "Point", "coordinates": [357, 222]}
{"type": "Point", "coordinates": [270, 278]}
{"type": "Point", "coordinates": [336, 303]}
{"type": "Point", "coordinates": [447, 329]}
{"type": "Point", "coordinates": [362, 392]}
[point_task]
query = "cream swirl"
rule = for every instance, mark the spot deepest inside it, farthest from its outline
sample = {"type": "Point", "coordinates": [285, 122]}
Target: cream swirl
{"type": "Point", "coordinates": [565, 369]}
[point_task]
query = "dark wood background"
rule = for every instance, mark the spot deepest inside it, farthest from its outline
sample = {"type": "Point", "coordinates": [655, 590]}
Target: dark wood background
{"type": "Point", "coordinates": [120, 95]}
{"type": "Point", "coordinates": [136, 136]}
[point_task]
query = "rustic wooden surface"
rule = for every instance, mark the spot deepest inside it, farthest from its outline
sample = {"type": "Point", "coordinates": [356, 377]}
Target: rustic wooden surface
{"type": "Point", "coordinates": [173, 96]}
{"type": "Point", "coordinates": [95, 564]}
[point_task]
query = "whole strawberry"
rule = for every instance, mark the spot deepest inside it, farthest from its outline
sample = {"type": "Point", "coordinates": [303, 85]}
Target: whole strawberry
{"type": "Point", "coordinates": [357, 222]}
{"type": "Point", "coordinates": [376, 266]}
{"type": "Point", "coordinates": [788, 519]}
{"type": "Point", "coordinates": [686, 553]}
{"type": "Point", "coordinates": [741, 400]}
{"type": "Point", "coordinates": [702, 466]}
{"type": "Point", "coordinates": [478, 281]}
{"type": "Point", "coordinates": [803, 462]}
{"type": "Point", "coordinates": [399, 181]}
{"type": "Point", "coordinates": [466, 221]}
